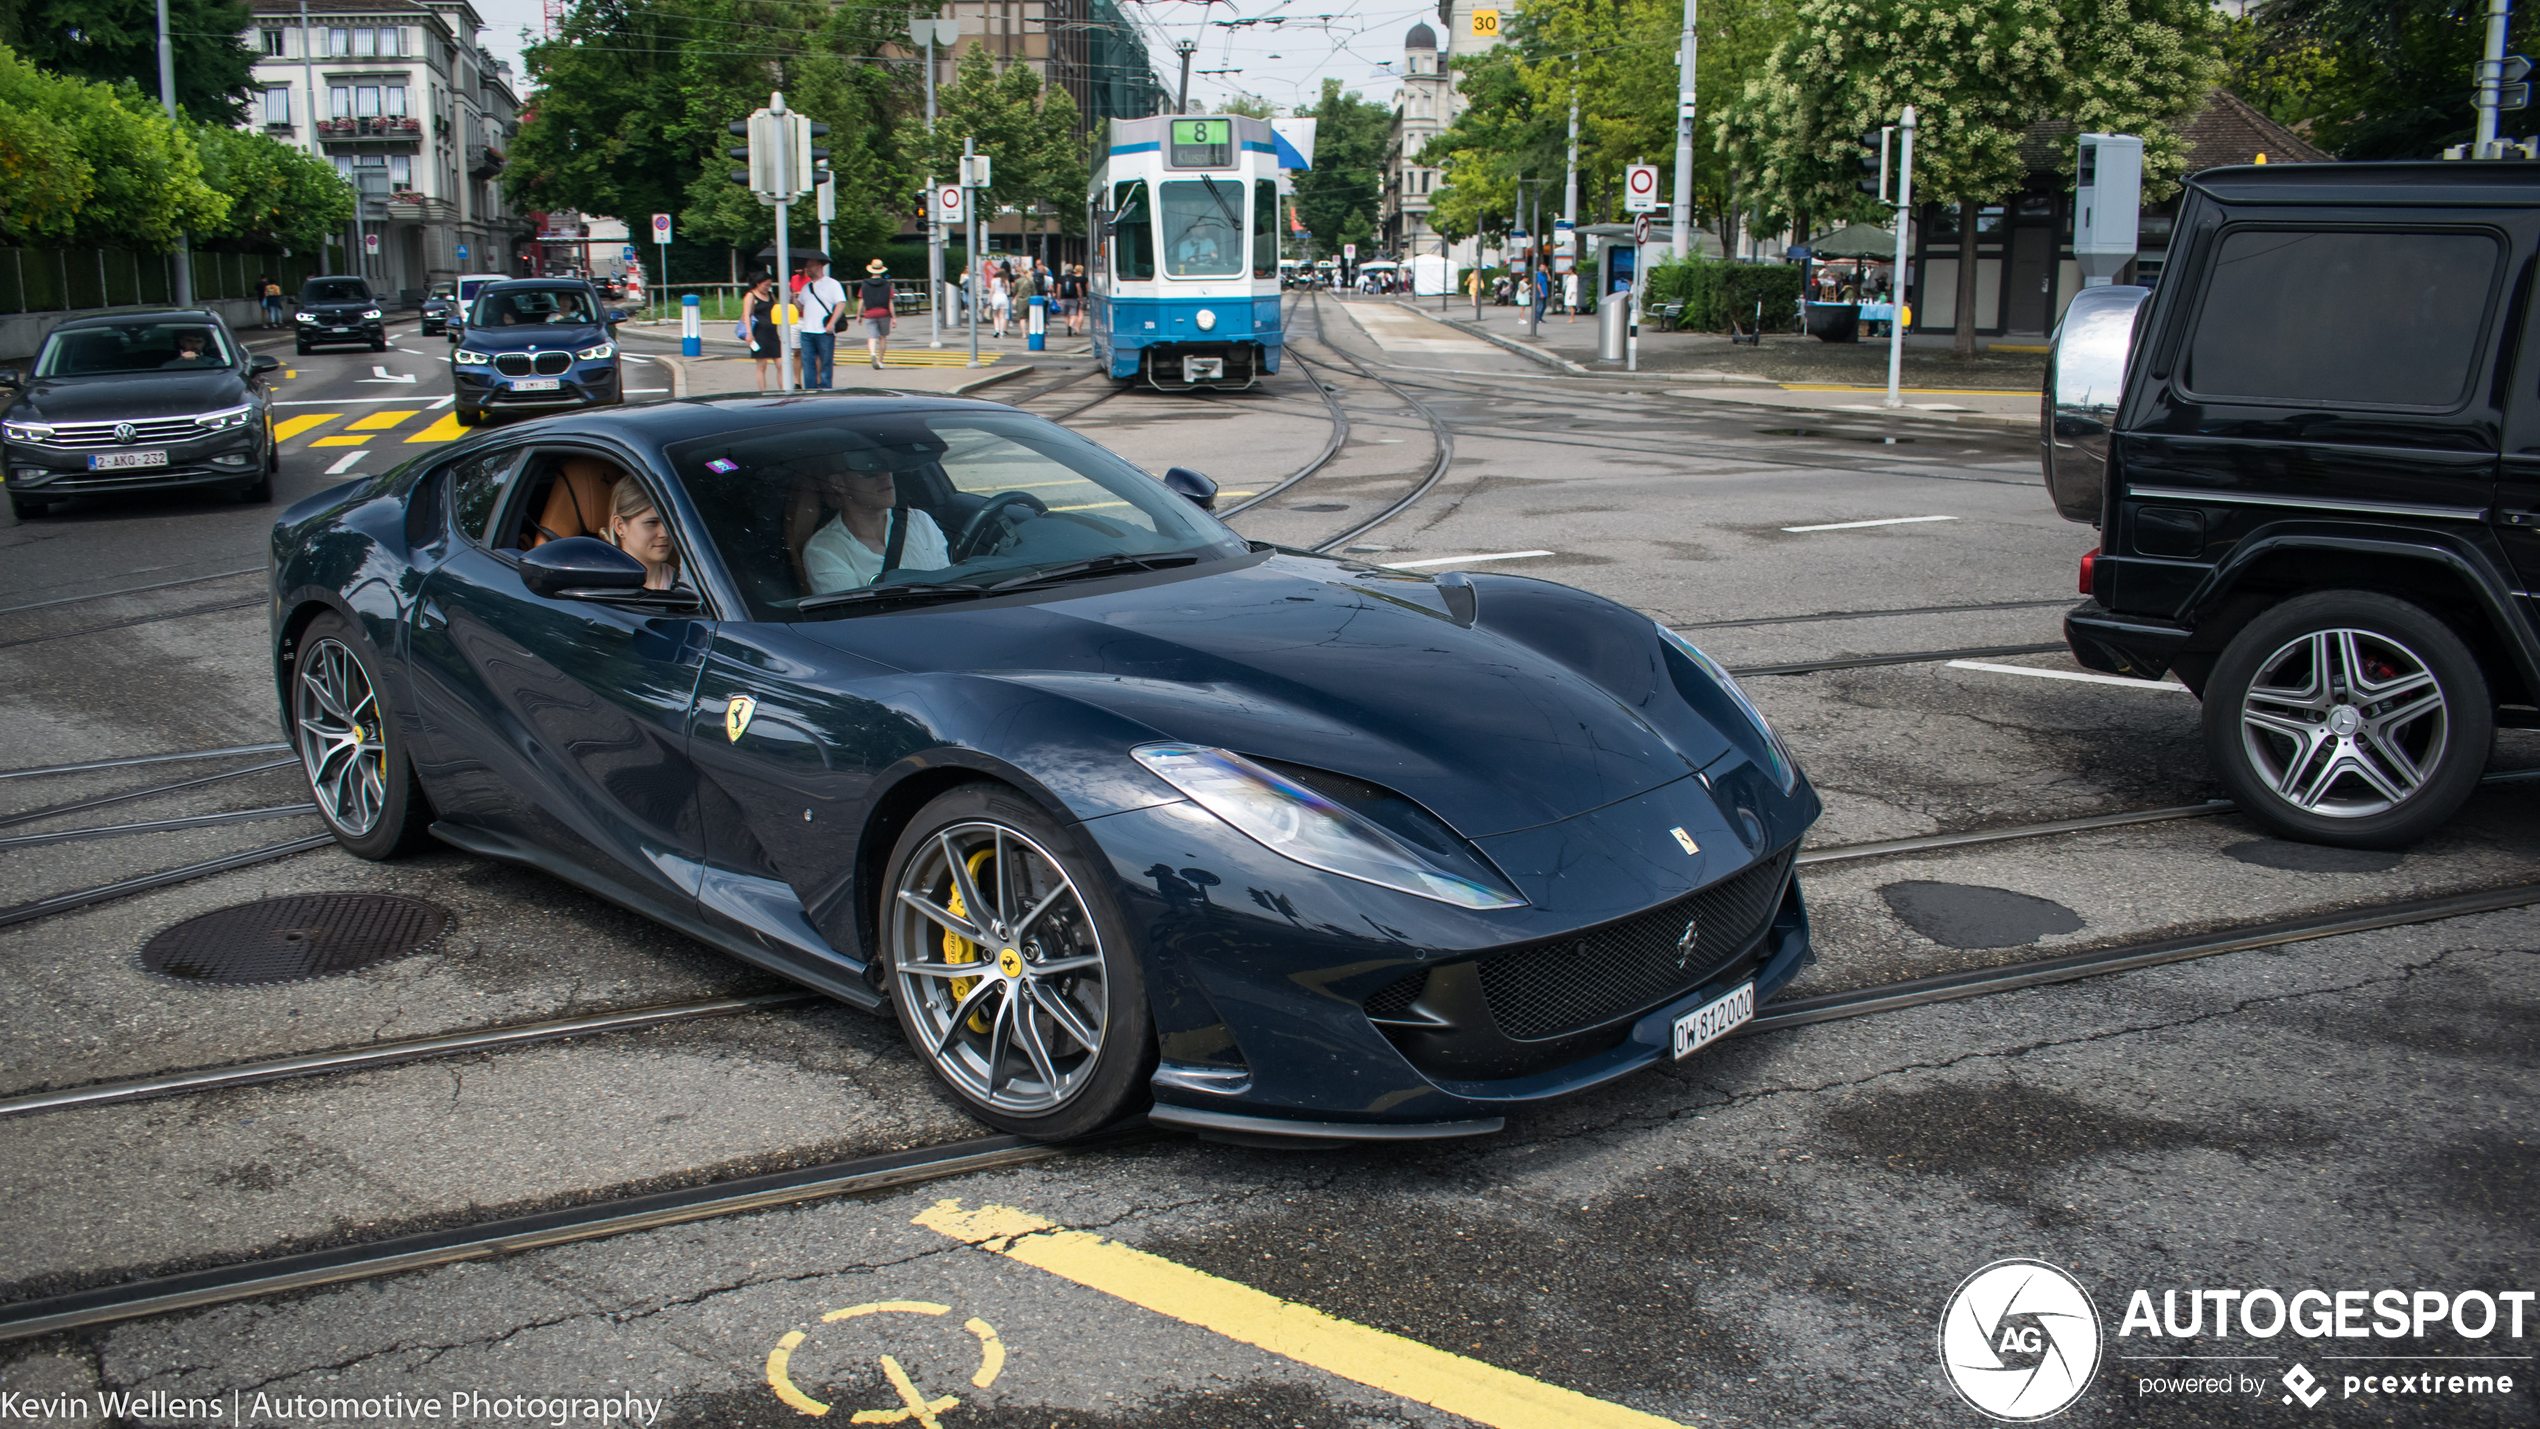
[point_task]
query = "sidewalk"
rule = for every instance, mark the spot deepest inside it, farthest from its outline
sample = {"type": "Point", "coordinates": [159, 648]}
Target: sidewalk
{"type": "Point", "coordinates": [726, 367]}
{"type": "Point", "coordinates": [1787, 372]}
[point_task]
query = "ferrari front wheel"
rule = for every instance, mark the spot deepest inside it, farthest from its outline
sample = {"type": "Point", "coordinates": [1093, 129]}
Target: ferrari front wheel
{"type": "Point", "coordinates": [1011, 974]}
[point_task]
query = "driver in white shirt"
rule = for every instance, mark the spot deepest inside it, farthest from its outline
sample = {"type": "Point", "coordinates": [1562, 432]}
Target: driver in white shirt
{"type": "Point", "coordinates": [847, 551]}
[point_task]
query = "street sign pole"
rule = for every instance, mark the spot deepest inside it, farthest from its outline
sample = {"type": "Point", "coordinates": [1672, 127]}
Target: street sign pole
{"type": "Point", "coordinates": [973, 274]}
{"type": "Point", "coordinates": [661, 273]}
{"type": "Point", "coordinates": [783, 169]}
{"type": "Point", "coordinates": [1640, 276]}
{"type": "Point", "coordinates": [1896, 279]}
{"type": "Point", "coordinates": [2491, 81]}
{"type": "Point", "coordinates": [1680, 208]}
{"type": "Point", "coordinates": [934, 218]}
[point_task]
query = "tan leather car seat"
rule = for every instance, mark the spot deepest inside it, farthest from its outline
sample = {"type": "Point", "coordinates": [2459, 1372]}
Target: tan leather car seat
{"type": "Point", "coordinates": [578, 502]}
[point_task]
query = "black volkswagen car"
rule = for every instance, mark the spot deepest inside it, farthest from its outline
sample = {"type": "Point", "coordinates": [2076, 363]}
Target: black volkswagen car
{"type": "Point", "coordinates": [536, 345]}
{"type": "Point", "coordinates": [137, 402]}
{"type": "Point", "coordinates": [339, 310]}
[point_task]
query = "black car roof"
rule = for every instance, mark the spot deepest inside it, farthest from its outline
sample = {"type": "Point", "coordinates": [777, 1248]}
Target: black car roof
{"type": "Point", "coordinates": [2444, 183]}
{"type": "Point", "coordinates": [119, 319]}
{"type": "Point", "coordinates": [664, 423]}
{"type": "Point", "coordinates": [565, 283]}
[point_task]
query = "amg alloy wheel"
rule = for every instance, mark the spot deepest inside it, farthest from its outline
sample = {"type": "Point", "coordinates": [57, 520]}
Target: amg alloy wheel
{"type": "Point", "coordinates": [2348, 718]}
{"type": "Point", "coordinates": [1009, 976]}
{"type": "Point", "coordinates": [350, 747]}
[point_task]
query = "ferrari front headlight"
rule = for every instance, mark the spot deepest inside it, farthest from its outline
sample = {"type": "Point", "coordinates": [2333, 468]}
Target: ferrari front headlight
{"type": "Point", "coordinates": [1776, 755]}
{"type": "Point", "coordinates": [1295, 822]}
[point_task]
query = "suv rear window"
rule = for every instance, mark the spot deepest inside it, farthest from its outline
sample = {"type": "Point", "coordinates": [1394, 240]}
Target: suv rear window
{"type": "Point", "coordinates": [2369, 319]}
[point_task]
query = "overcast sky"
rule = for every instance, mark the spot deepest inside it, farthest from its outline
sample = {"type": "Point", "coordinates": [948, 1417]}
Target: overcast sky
{"type": "Point", "coordinates": [1282, 54]}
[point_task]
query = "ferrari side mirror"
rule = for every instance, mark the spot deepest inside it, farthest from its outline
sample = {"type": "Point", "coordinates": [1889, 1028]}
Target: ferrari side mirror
{"type": "Point", "coordinates": [579, 568]}
{"type": "Point", "coordinates": [1185, 482]}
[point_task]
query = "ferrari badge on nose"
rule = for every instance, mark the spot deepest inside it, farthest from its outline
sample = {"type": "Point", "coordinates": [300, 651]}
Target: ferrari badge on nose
{"type": "Point", "coordinates": [1685, 841]}
{"type": "Point", "coordinates": [736, 716]}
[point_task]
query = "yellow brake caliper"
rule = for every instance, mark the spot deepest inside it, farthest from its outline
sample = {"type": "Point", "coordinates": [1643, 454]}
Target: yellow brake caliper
{"type": "Point", "coordinates": [961, 950]}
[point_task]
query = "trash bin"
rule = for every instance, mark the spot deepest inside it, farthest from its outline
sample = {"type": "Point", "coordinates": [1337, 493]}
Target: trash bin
{"type": "Point", "coordinates": [1613, 316]}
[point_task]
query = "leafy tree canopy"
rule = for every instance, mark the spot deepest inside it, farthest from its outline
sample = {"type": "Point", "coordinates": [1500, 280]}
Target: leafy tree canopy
{"type": "Point", "coordinates": [117, 42]}
{"type": "Point", "coordinates": [1337, 197]}
{"type": "Point", "coordinates": [85, 163]}
{"type": "Point", "coordinates": [278, 195]}
{"type": "Point", "coordinates": [2389, 80]}
{"type": "Point", "coordinates": [1026, 128]}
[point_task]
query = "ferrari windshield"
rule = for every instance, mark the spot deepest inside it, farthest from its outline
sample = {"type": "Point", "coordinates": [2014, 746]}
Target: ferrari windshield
{"type": "Point", "coordinates": [838, 515]}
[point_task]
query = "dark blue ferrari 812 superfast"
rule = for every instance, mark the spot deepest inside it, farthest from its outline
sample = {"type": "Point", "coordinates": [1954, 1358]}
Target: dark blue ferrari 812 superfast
{"type": "Point", "coordinates": [944, 710]}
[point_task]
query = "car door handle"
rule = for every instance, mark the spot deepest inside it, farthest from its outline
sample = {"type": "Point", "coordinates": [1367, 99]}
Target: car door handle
{"type": "Point", "coordinates": [2519, 518]}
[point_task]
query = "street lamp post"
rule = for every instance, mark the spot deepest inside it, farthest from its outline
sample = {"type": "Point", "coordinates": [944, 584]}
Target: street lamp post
{"type": "Point", "coordinates": [184, 293]}
{"type": "Point", "coordinates": [1896, 280]}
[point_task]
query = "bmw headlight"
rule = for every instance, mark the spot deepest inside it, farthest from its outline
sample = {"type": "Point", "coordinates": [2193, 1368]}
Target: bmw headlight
{"type": "Point", "coordinates": [595, 354]}
{"type": "Point", "coordinates": [1776, 754]}
{"type": "Point", "coordinates": [465, 358]}
{"type": "Point", "coordinates": [224, 419]}
{"type": "Point", "coordinates": [27, 431]}
{"type": "Point", "coordinates": [374, 312]}
{"type": "Point", "coordinates": [1295, 822]}
{"type": "Point", "coordinates": [304, 317]}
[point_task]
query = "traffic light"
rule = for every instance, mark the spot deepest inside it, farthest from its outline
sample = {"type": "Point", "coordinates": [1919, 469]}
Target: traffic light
{"type": "Point", "coordinates": [741, 129]}
{"type": "Point", "coordinates": [1874, 164]}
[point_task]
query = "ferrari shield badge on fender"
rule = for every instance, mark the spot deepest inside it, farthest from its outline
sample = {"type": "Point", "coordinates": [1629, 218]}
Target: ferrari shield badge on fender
{"type": "Point", "coordinates": [736, 716]}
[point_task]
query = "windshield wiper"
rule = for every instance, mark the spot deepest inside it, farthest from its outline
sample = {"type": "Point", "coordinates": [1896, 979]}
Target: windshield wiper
{"type": "Point", "coordinates": [1232, 220]}
{"type": "Point", "coordinates": [885, 594]}
{"type": "Point", "coordinates": [1098, 566]}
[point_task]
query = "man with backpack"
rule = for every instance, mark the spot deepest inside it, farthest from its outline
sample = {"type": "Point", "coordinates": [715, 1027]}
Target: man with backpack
{"type": "Point", "coordinates": [271, 292]}
{"type": "Point", "coordinates": [873, 301]}
{"type": "Point", "coordinates": [824, 300]}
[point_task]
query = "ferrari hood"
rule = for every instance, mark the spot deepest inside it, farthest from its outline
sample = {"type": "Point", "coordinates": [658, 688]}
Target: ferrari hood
{"type": "Point", "coordinates": [1318, 663]}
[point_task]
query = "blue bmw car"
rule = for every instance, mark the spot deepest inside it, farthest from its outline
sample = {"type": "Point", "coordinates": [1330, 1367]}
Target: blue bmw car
{"type": "Point", "coordinates": [953, 715]}
{"type": "Point", "coordinates": [536, 345]}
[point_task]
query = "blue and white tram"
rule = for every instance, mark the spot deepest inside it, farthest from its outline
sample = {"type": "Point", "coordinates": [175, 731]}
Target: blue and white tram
{"type": "Point", "coordinates": [1185, 278]}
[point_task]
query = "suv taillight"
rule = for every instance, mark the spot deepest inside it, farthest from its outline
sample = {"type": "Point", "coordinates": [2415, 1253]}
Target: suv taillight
{"type": "Point", "coordinates": [2090, 571]}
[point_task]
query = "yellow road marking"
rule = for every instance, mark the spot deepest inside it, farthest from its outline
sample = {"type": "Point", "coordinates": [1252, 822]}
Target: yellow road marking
{"type": "Point", "coordinates": [339, 441]}
{"type": "Point", "coordinates": [382, 421]}
{"type": "Point", "coordinates": [780, 1377]}
{"type": "Point", "coordinates": [880, 1307]}
{"type": "Point", "coordinates": [991, 1351]}
{"type": "Point", "coordinates": [288, 373]}
{"type": "Point", "coordinates": [290, 427]}
{"type": "Point", "coordinates": [914, 1405]}
{"type": "Point", "coordinates": [445, 430]}
{"type": "Point", "coordinates": [1481, 1392]}
{"type": "Point", "coordinates": [920, 1408]}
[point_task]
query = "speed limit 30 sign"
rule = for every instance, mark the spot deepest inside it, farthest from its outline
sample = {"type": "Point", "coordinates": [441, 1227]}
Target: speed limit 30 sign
{"type": "Point", "coordinates": [1640, 188]}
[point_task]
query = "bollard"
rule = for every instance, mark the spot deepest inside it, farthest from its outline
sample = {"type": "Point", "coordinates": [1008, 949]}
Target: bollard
{"type": "Point", "coordinates": [1036, 327]}
{"type": "Point", "coordinates": [1612, 313]}
{"type": "Point", "coordinates": [691, 342]}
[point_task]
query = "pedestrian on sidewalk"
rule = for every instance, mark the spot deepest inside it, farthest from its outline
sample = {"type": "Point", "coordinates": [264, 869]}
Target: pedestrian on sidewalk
{"type": "Point", "coordinates": [1071, 297]}
{"type": "Point", "coordinates": [271, 292]}
{"type": "Point", "coordinates": [873, 296]}
{"type": "Point", "coordinates": [1000, 298]}
{"type": "Point", "coordinates": [824, 308]}
{"type": "Point", "coordinates": [758, 311]}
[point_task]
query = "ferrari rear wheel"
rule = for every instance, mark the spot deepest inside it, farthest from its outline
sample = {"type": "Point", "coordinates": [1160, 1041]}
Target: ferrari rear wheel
{"type": "Point", "coordinates": [350, 746]}
{"type": "Point", "coordinates": [1011, 975]}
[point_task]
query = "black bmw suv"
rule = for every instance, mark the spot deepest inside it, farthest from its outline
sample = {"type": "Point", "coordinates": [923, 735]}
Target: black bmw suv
{"type": "Point", "coordinates": [2313, 456]}
{"type": "Point", "coordinates": [137, 402]}
{"type": "Point", "coordinates": [339, 310]}
{"type": "Point", "coordinates": [535, 345]}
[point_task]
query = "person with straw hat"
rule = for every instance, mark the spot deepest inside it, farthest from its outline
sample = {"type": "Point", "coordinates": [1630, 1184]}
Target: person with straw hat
{"type": "Point", "coordinates": [873, 296]}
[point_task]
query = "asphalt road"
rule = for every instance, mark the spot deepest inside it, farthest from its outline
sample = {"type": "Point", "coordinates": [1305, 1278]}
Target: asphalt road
{"type": "Point", "coordinates": [1765, 1233]}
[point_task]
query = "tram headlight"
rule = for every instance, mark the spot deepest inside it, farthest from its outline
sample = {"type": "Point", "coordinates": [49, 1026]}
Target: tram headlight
{"type": "Point", "coordinates": [1207, 320]}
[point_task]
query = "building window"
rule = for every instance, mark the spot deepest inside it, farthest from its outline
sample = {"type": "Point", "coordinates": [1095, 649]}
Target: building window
{"type": "Point", "coordinates": [339, 102]}
{"type": "Point", "coordinates": [388, 40]}
{"type": "Point", "coordinates": [401, 171]}
{"type": "Point", "coordinates": [272, 43]}
{"type": "Point", "coordinates": [366, 101]}
{"type": "Point", "coordinates": [277, 106]}
{"type": "Point", "coordinates": [339, 42]}
{"type": "Point", "coordinates": [365, 42]}
{"type": "Point", "coordinates": [394, 100]}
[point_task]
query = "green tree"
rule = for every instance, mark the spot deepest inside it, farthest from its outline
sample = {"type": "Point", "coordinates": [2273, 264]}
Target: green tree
{"type": "Point", "coordinates": [278, 195]}
{"type": "Point", "coordinates": [1337, 197]}
{"type": "Point", "coordinates": [117, 42]}
{"type": "Point", "coordinates": [2382, 81]}
{"type": "Point", "coordinates": [1026, 128]}
{"type": "Point", "coordinates": [92, 165]}
{"type": "Point", "coordinates": [1979, 72]}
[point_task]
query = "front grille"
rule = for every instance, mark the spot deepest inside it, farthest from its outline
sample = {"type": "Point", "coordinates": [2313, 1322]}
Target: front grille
{"type": "Point", "coordinates": [1557, 988]}
{"type": "Point", "coordinates": [103, 434]}
{"type": "Point", "coordinates": [553, 364]}
{"type": "Point", "coordinates": [512, 364]}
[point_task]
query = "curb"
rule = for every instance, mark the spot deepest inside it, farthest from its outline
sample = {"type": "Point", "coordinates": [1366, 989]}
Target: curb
{"type": "Point", "coordinates": [1548, 359]}
{"type": "Point", "coordinates": [679, 380]}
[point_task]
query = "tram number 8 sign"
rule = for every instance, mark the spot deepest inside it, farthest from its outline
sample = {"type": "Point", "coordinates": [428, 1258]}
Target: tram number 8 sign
{"type": "Point", "coordinates": [1486, 22]}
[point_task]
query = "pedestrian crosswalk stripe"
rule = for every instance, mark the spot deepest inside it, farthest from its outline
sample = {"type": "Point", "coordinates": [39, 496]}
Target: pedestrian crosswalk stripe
{"type": "Point", "coordinates": [290, 427]}
{"type": "Point", "coordinates": [341, 441]}
{"type": "Point", "coordinates": [936, 359]}
{"type": "Point", "coordinates": [445, 430]}
{"type": "Point", "coordinates": [382, 421]}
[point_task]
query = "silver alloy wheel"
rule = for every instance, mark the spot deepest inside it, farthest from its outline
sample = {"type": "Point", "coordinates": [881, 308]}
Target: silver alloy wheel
{"type": "Point", "coordinates": [1012, 1006]}
{"type": "Point", "coordinates": [341, 742]}
{"type": "Point", "coordinates": [2344, 723]}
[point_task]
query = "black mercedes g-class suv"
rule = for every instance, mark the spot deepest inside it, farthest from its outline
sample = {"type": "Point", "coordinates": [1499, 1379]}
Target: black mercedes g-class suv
{"type": "Point", "coordinates": [2313, 456]}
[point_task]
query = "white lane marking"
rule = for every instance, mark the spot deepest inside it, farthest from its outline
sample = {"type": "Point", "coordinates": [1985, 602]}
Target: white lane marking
{"type": "Point", "coordinates": [647, 389]}
{"type": "Point", "coordinates": [382, 374]}
{"type": "Point", "coordinates": [1455, 560]}
{"type": "Point", "coordinates": [346, 464]}
{"type": "Point", "coordinates": [444, 402]}
{"type": "Point", "coordinates": [1857, 525]}
{"type": "Point", "coordinates": [2066, 675]}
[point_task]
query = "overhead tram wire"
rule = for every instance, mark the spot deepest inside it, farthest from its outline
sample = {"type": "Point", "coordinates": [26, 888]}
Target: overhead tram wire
{"type": "Point", "coordinates": [281, 1275]}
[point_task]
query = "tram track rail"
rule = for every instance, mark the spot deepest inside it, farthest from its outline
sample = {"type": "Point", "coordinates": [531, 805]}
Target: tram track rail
{"type": "Point", "coordinates": [60, 903]}
{"type": "Point", "coordinates": [160, 826]}
{"type": "Point", "coordinates": [100, 801]}
{"type": "Point", "coordinates": [180, 756]}
{"type": "Point", "coordinates": [279, 1275]}
{"type": "Point", "coordinates": [1441, 435]}
{"type": "Point", "coordinates": [131, 590]}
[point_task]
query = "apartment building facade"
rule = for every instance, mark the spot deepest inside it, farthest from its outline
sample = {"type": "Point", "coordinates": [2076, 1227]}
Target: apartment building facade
{"type": "Point", "coordinates": [414, 113]}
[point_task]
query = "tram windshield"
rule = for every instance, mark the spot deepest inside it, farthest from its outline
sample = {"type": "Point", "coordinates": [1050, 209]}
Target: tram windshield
{"type": "Point", "coordinates": [1203, 227]}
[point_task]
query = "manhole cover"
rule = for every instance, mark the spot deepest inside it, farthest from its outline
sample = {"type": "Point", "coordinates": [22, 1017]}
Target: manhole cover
{"type": "Point", "coordinates": [291, 939]}
{"type": "Point", "coordinates": [1966, 915]}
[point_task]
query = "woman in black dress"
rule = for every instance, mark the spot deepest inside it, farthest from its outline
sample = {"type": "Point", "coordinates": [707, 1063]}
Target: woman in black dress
{"type": "Point", "coordinates": [759, 309]}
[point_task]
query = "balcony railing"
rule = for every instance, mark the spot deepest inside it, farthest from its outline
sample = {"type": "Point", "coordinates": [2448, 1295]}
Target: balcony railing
{"type": "Point", "coordinates": [483, 159]}
{"type": "Point", "coordinates": [388, 126]}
